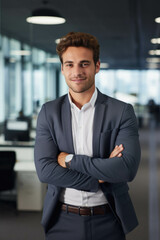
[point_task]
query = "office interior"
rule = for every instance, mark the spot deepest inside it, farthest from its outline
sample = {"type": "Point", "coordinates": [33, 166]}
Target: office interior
{"type": "Point", "coordinates": [30, 75]}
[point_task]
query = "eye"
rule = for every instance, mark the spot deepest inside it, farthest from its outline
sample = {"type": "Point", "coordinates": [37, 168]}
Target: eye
{"type": "Point", "coordinates": [85, 64]}
{"type": "Point", "coordinates": [68, 65]}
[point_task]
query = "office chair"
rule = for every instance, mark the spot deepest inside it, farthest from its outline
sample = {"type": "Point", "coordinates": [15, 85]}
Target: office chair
{"type": "Point", "coordinates": [7, 174]}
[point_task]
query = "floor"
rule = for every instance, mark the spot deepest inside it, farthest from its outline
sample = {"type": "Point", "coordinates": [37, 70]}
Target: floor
{"type": "Point", "coordinates": [19, 225]}
{"type": "Point", "coordinates": [144, 191]}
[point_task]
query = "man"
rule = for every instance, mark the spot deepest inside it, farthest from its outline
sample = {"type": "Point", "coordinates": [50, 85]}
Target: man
{"type": "Point", "coordinates": [86, 150]}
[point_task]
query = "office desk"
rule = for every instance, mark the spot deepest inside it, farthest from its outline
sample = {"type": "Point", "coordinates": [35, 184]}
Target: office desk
{"type": "Point", "coordinates": [24, 150]}
{"type": "Point", "coordinates": [30, 192]}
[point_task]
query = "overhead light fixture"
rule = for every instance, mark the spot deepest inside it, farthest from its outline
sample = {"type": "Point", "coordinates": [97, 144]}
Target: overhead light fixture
{"type": "Point", "coordinates": [153, 65]}
{"type": "Point", "coordinates": [20, 52]}
{"type": "Point", "coordinates": [45, 16]}
{"type": "Point", "coordinates": [157, 20]}
{"type": "Point", "coordinates": [153, 60]}
{"type": "Point", "coordinates": [57, 40]}
{"type": "Point", "coordinates": [53, 60]}
{"type": "Point", "coordinates": [155, 40]}
{"type": "Point", "coordinates": [154, 52]}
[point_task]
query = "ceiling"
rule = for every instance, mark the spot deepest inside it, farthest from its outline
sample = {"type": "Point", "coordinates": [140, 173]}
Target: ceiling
{"type": "Point", "coordinates": [123, 27]}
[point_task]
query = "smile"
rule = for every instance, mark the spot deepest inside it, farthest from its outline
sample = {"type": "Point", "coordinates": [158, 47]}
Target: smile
{"type": "Point", "coordinates": [78, 79]}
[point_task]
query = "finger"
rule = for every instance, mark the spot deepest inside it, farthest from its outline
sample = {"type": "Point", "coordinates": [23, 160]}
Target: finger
{"type": "Point", "coordinates": [119, 155]}
{"type": "Point", "coordinates": [120, 148]}
{"type": "Point", "coordinates": [116, 151]}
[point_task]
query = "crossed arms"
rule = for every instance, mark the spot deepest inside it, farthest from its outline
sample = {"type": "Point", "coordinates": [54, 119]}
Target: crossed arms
{"type": "Point", "coordinates": [117, 152]}
{"type": "Point", "coordinates": [85, 172]}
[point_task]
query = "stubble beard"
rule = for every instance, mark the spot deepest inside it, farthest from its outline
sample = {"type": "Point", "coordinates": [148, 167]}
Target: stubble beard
{"type": "Point", "coordinates": [81, 89]}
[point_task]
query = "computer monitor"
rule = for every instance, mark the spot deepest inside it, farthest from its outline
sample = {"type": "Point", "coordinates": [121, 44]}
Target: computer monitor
{"type": "Point", "coordinates": [16, 130]}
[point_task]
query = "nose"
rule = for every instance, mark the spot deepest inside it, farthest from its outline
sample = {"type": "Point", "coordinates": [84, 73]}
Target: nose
{"type": "Point", "coordinates": [77, 71]}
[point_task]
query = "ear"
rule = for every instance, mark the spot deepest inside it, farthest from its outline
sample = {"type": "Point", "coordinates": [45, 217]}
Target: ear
{"type": "Point", "coordinates": [97, 66]}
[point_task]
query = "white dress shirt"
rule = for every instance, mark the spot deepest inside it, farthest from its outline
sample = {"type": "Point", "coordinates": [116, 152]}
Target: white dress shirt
{"type": "Point", "coordinates": [82, 131]}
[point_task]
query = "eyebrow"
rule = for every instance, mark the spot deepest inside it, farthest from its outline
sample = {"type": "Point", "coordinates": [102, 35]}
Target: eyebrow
{"type": "Point", "coordinates": [68, 62]}
{"type": "Point", "coordinates": [83, 61]}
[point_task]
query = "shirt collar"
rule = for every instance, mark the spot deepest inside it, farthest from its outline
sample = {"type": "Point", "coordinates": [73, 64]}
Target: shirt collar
{"type": "Point", "coordinates": [90, 103]}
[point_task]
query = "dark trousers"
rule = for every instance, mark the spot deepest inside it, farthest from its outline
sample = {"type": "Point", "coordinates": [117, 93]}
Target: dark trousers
{"type": "Point", "coordinates": [72, 226]}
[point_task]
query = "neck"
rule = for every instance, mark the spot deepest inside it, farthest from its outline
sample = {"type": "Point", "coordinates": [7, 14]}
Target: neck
{"type": "Point", "coordinates": [80, 99]}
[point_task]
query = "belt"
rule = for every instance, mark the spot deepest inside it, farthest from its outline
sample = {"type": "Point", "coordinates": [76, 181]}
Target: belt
{"type": "Point", "coordinates": [86, 211]}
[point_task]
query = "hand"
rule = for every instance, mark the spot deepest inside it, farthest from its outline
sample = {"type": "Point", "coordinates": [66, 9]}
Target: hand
{"type": "Point", "coordinates": [117, 152]}
{"type": "Point", "coordinates": [101, 181]}
{"type": "Point", "coordinates": [61, 159]}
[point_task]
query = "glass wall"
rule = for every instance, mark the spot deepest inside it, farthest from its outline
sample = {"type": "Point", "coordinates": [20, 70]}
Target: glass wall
{"type": "Point", "coordinates": [132, 86]}
{"type": "Point", "coordinates": [63, 88]}
{"type": "Point", "coordinates": [13, 68]}
{"type": "Point", "coordinates": [27, 80]}
{"type": "Point", "coordinates": [2, 87]}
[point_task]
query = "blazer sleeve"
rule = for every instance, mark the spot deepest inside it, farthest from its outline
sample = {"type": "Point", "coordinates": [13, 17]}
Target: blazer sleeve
{"type": "Point", "coordinates": [117, 169]}
{"type": "Point", "coordinates": [48, 169]}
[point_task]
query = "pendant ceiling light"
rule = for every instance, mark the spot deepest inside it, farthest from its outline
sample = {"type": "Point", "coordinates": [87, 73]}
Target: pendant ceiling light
{"type": "Point", "coordinates": [45, 16]}
{"type": "Point", "coordinates": [157, 20]}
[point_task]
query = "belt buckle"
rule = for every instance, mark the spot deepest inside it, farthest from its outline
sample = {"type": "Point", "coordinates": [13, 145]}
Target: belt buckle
{"type": "Point", "coordinates": [88, 215]}
{"type": "Point", "coordinates": [92, 211]}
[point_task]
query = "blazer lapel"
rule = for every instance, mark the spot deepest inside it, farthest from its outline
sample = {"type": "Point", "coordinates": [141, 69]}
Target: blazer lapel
{"type": "Point", "coordinates": [100, 109]}
{"type": "Point", "coordinates": [67, 125]}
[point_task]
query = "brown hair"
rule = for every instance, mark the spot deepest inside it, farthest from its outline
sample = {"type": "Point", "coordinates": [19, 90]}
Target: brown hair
{"type": "Point", "coordinates": [78, 39]}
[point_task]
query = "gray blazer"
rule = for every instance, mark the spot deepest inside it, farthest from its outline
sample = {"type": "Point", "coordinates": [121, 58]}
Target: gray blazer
{"type": "Point", "coordinates": [114, 123]}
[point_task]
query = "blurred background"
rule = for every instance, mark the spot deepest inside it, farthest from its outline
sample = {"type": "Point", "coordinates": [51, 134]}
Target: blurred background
{"type": "Point", "coordinates": [129, 35]}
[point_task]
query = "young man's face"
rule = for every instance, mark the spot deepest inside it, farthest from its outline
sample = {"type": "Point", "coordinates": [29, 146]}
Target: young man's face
{"type": "Point", "coordinates": [79, 69]}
